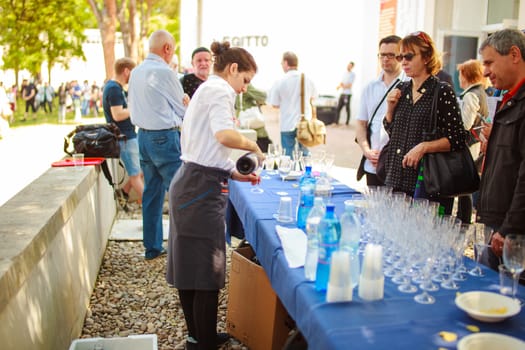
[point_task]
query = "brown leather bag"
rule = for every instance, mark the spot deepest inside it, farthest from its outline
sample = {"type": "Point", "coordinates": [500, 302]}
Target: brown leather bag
{"type": "Point", "coordinates": [311, 132]}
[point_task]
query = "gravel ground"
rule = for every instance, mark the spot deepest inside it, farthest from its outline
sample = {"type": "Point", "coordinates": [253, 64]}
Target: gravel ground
{"type": "Point", "coordinates": [131, 296]}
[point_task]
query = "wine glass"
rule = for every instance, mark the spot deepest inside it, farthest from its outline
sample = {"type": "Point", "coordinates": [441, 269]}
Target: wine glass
{"type": "Point", "coordinates": [514, 257]}
{"type": "Point", "coordinates": [257, 188]}
{"type": "Point", "coordinates": [275, 149]}
{"type": "Point", "coordinates": [271, 148]}
{"type": "Point", "coordinates": [480, 242]}
{"type": "Point", "coordinates": [268, 164]}
{"type": "Point", "coordinates": [285, 166]}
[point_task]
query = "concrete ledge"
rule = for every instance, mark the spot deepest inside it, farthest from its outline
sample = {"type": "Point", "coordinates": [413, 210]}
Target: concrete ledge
{"type": "Point", "coordinates": [53, 234]}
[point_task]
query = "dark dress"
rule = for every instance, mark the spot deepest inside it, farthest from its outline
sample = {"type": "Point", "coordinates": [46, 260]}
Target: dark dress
{"type": "Point", "coordinates": [411, 121]}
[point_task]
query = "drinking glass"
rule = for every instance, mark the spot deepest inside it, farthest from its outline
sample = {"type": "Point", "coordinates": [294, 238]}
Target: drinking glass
{"type": "Point", "coordinates": [285, 166]}
{"type": "Point", "coordinates": [329, 159]}
{"type": "Point", "coordinates": [480, 241]}
{"type": "Point", "coordinates": [465, 236]}
{"type": "Point", "coordinates": [297, 154]}
{"type": "Point", "coordinates": [257, 188]}
{"type": "Point", "coordinates": [275, 149]}
{"type": "Point", "coordinates": [269, 162]}
{"type": "Point", "coordinates": [429, 250]}
{"type": "Point", "coordinates": [514, 257]}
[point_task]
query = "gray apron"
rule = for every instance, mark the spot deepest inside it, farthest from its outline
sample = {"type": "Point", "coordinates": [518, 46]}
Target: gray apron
{"type": "Point", "coordinates": [196, 247]}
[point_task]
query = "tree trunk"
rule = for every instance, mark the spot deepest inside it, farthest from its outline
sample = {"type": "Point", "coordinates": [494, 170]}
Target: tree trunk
{"type": "Point", "coordinates": [134, 24]}
{"type": "Point", "coordinates": [107, 23]}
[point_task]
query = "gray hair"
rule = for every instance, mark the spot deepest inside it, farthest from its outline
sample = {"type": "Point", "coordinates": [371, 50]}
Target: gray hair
{"type": "Point", "coordinates": [159, 38]}
{"type": "Point", "coordinates": [503, 40]}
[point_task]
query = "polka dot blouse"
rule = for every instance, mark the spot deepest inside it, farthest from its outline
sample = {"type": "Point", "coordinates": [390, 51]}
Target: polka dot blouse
{"type": "Point", "coordinates": [411, 121]}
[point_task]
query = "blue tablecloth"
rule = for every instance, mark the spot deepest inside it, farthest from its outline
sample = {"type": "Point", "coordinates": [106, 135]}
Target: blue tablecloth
{"type": "Point", "coordinates": [396, 322]}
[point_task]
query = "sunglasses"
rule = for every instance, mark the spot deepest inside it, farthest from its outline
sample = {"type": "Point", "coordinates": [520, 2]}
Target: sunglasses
{"type": "Point", "coordinates": [408, 57]}
{"type": "Point", "coordinates": [421, 35]}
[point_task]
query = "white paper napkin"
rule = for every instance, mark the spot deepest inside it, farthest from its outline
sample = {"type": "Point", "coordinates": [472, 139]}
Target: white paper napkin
{"type": "Point", "coordinates": [294, 242]}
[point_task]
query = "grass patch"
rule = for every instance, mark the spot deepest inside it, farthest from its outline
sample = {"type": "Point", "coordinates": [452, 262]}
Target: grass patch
{"type": "Point", "coordinates": [48, 118]}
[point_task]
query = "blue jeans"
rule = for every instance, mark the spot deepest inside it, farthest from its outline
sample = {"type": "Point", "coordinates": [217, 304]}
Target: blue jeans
{"type": "Point", "coordinates": [159, 160]}
{"type": "Point", "coordinates": [85, 107]}
{"type": "Point", "coordinates": [129, 153]}
{"type": "Point", "coordinates": [288, 139]}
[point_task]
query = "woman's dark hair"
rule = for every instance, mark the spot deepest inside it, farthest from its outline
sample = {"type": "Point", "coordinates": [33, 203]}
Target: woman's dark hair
{"type": "Point", "coordinates": [225, 55]}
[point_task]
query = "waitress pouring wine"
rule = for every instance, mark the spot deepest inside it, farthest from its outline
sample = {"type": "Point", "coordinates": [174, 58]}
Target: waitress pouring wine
{"type": "Point", "coordinates": [198, 193]}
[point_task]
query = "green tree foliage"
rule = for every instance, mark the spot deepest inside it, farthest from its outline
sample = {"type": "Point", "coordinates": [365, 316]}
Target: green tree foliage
{"type": "Point", "coordinates": [136, 20]}
{"type": "Point", "coordinates": [37, 31]}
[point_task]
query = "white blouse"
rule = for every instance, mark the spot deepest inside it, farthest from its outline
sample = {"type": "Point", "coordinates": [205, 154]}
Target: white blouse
{"type": "Point", "coordinates": [210, 110]}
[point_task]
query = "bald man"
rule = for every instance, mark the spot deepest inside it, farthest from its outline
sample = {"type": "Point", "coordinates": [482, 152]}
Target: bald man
{"type": "Point", "coordinates": [156, 107]}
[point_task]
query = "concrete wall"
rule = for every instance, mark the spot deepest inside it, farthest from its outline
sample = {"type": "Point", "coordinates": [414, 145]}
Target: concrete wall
{"type": "Point", "coordinates": [53, 234]}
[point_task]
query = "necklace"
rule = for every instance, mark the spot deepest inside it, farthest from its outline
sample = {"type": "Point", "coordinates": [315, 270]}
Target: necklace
{"type": "Point", "coordinates": [416, 95]}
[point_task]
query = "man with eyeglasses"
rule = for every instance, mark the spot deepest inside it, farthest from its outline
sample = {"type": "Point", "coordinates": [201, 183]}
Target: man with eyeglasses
{"type": "Point", "coordinates": [370, 134]}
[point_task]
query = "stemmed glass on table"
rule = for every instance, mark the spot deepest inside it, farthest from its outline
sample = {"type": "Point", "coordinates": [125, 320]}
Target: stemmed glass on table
{"type": "Point", "coordinates": [466, 232]}
{"type": "Point", "coordinates": [257, 188]}
{"type": "Point", "coordinates": [430, 251]}
{"type": "Point", "coordinates": [480, 241]}
{"type": "Point", "coordinates": [514, 258]}
{"type": "Point", "coordinates": [454, 238]}
{"type": "Point", "coordinates": [285, 166]}
{"type": "Point", "coordinates": [268, 164]}
{"type": "Point", "coordinates": [274, 152]}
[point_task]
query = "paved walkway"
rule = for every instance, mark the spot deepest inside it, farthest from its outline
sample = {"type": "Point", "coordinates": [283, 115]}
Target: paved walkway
{"type": "Point", "coordinates": [26, 153]}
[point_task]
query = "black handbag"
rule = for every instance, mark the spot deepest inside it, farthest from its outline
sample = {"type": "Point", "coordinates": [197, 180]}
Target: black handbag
{"type": "Point", "coordinates": [381, 163]}
{"type": "Point", "coordinates": [448, 174]}
{"type": "Point", "coordinates": [95, 140]}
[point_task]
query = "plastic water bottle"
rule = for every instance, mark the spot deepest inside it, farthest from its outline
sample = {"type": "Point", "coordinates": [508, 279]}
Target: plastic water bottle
{"type": "Point", "coordinates": [329, 233]}
{"type": "Point", "coordinates": [247, 163]}
{"type": "Point", "coordinates": [306, 197]}
{"type": "Point", "coordinates": [350, 236]}
{"type": "Point", "coordinates": [312, 232]}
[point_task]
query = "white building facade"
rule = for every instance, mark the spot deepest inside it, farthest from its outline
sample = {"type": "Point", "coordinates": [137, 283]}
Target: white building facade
{"type": "Point", "coordinates": [327, 34]}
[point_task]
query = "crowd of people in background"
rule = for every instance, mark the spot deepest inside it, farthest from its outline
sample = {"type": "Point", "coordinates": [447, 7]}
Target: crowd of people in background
{"type": "Point", "coordinates": [36, 95]}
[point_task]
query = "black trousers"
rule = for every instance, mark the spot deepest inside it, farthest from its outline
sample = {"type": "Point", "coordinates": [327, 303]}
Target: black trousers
{"type": "Point", "coordinates": [344, 101]}
{"type": "Point", "coordinates": [200, 312]}
{"type": "Point", "coordinates": [465, 209]}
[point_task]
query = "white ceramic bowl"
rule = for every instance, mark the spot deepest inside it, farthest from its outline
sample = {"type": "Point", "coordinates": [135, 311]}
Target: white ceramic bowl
{"type": "Point", "coordinates": [490, 341]}
{"type": "Point", "coordinates": [487, 306]}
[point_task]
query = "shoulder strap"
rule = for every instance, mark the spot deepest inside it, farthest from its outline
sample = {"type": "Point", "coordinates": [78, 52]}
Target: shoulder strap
{"type": "Point", "coordinates": [380, 102]}
{"type": "Point", "coordinates": [433, 111]}
{"type": "Point", "coordinates": [107, 173]}
{"type": "Point", "coordinates": [302, 96]}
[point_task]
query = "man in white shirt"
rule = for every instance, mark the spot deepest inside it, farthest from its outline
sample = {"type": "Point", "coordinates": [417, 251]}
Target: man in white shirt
{"type": "Point", "coordinates": [346, 94]}
{"type": "Point", "coordinates": [156, 107]}
{"type": "Point", "coordinates": [373, 108]}
{"type": "Point", "coordinates": [286, 95]}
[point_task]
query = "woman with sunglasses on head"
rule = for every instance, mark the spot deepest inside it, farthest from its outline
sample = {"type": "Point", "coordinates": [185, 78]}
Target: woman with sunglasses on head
{"type": "Point", "coordinates": [199, 192]}
{"type": "Point", "coordinates": [408, 117]}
